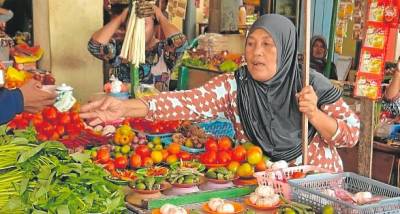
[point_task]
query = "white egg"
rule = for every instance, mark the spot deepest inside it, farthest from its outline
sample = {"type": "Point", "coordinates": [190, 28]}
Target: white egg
{"type": "Point", "coordinates": [214, 203]}
{"type": "Point", "coordinates": [362, 197]}
{"type": "Point", "coordinates": [253, 198]}
{"type": "Point", "coordinates": [226, 208]}
{"type": "Point", "coordinates": [165, 208]}
{"type": "Point", "coordinates": [282, 164]}
{"type": "Point", "coordinates": [264, 191]}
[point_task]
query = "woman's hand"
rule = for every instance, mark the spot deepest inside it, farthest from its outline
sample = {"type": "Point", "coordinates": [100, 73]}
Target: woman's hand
{"type": "Point", "coordinates": [307, 100]}
{"type": "Point", "coordinates": [35, 99]}
{"type": "Point", "coordinates": [103, 110]}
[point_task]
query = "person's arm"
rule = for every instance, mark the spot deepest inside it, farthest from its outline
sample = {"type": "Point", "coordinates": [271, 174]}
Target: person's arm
{"type": "Point", "coordinates": [11, 103]}
{"type": "Point", "coordinates": [393, 89]}
{"type": "Point", "coordinates": [336, 123]}
{"type": "Point", "coordinates": [167, 28]}
{"type": "Point", "coordinates": [104, 35]}
{"type": "Point", "coordinates": [208, 101]}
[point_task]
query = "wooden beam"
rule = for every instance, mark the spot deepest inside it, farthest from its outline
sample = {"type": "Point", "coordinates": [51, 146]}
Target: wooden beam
{"type": "Point", "coordinates": [366, 144]}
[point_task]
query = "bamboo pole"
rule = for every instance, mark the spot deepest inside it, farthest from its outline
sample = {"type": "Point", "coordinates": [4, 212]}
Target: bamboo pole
{"type": "Point", "coordinates": [306, 74]}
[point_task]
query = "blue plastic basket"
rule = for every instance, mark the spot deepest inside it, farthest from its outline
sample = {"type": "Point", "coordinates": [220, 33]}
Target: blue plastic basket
{"type": "Point", "coordinates": [219, 128]}
{"type": "Point", "coordinates": [165, 138]}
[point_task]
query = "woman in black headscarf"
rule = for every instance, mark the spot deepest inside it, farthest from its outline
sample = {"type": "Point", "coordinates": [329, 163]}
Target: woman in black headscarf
{"type": "Point", "coordinates": [318, 60]}
{"type": "Point", "coordinates": [264, 100]}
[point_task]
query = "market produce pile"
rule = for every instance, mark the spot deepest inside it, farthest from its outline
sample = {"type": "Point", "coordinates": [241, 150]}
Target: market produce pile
{"type": "Point", "coordinates": [38, 178]}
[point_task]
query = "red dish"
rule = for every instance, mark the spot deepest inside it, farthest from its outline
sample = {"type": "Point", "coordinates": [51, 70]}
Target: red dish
{"type": "Point", "coordinates": [202, 180]}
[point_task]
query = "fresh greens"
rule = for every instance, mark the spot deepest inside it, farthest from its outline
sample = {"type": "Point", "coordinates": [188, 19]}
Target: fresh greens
{"type": "Point", "coordinates": [46, 179]}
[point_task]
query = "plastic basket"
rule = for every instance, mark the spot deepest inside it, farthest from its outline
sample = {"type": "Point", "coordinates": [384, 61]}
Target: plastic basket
{"type": "Point", "coordinates": [278, 179]}
{"type": "Point", "coordinates": [219, 128]}
{"type": "Point", "coordinates": [165, 138]}
{"type": "Point", "coordinates": [308, 190]}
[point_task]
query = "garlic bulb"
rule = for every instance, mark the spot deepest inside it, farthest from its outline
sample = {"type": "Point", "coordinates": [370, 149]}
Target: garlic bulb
{"type": "Point", "coordinates": [362, 197]}
{"type": "Point", "coordinates": [214, 203]}
{"type": "Point", "coordinates": [226, 208]}
{"type": "Point", "coordinates": [253, 198]}
{"type": "Point", "coordinates": [264, 191]}
{"type": "Point", "coordinates": [280, 165]}
{"type": "Point", "coordinates": [177, 210]}
{"type": "Point", "coordinates": [165, 208]}
{"type": "Point", "coordinates": [329, 192]}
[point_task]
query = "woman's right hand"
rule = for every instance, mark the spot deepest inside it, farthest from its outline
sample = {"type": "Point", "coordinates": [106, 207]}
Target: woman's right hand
{"type": "Point", "coordinates": [105, 109]}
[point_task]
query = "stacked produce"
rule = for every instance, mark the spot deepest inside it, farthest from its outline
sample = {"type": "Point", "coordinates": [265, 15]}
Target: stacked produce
{"type": "Point", "coordinates": [44, 178]}
{"type": "Point", "coordinates": [190, 135]}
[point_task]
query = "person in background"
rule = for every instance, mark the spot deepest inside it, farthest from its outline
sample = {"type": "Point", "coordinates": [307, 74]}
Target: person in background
{"type": "Point", "coordinates": [264, 100]}
{"type": "Point", "coordinates": [318, 61]}
{"type": "Point", "coordinates": [161, 55]}
{"type": "Point", "coordinates": [30, 97]}
{"type": "Point", "coordinates": [391, 101]}
{"type": "Point", "coordinates": [5, 16]}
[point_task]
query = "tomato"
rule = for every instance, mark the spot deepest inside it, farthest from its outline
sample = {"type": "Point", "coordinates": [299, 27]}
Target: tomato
{"type": "Point", "coordinates": [22, 123]}
{"type": "Point", "coordinates": [143, 151]}
{"type": "Point", "coordinates": [12, 124]}
{"type": "Point", "coordinates": [147, 162]}
{"type": "Point", "coordinates": [64, 118]}
{"type": "Point", "coordinates": [74, 116]}
{"type": "Point", "coordinates": [121, 162]}
{"type": "Point", "coordinates": [185, 156]}
{"type": "Point", "coordinates": [174, 148]}
{"type": "Point", "coordinates": [255, 149]}
{"type": "Point", "coordinates": [41, 137]}
{"type": "Point", "coordinates": [239, 154]}
{"type": "Point", "coordinates": [37, 119]}
{"type": "Point", "coordinates": [46, 128]}
{"type": "Point", "coordinates": [54, 136]}
{"type": "Point", "coordinates": [223, 157]}
{"type": "Point", "coordinates": [109, 166]}
{"type": "Point", "coordinates": [27, 115]}
{"type": "Point", "coordinates": [103, 155]}
{"type": "Point", "coordinates": [60, 129]}
{"type": "Point", "coordinates": [208, 157]}
{"type": "Point", "coordinates": [261, 166]}
{"type": "Point", "coordinates": [224, 143]}
{"type": "Point", "coordinates": [50, 113]}
{"type": "Point", "coordinates": [254, 157]}
{"type": "Point", "coordinates": [135, 161]}
{"type": "Point", "coordinates": [211, 144]}
{"type": "Point", "coordinates": [298, 175]}
{"type": "Point", "coordinates": [71, 128]}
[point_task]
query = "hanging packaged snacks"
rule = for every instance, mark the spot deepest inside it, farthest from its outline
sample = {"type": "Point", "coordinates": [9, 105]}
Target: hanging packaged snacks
{"type": "Point", "coordinates": [376, 12]}
{"type": "Point", "coordinates": [368, 86]}
{"type": "Point", "coordinates": [339, 45]}
{"type": "Point", "coordinates": [375, 37]}
{"type": "Point", "coordinates": [372, 62]}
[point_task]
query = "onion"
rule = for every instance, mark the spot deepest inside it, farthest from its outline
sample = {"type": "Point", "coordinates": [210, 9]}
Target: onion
{"type": "Point", "coordinates": [165, 208]}
{"type": "Point", "coordinates": [214, 203]}
{"type": "Point", "coordinates": [226, 208]}
{"type": "Point", "coordinates": [362, 197]}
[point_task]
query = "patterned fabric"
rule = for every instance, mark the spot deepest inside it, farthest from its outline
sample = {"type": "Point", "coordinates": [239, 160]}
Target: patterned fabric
{"type": "Point", "coordinates": [217, 98]}
{"type": "Point", "coordinates": [170, 49]}
{"type": "Point", "coordinates": [392, 106]}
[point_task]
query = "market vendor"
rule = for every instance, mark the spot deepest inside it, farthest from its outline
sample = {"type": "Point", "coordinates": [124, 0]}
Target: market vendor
{"type": "Point", "coordinates": [30, 97]}
{"type": "Point", "coordinates": [161, 55]}
{"type": "Point", "coordinates": [264, 100]}
{"type": "Point", "coordinates": [391, 101]}
{"type": "Point", "coordinates": [318, 61]}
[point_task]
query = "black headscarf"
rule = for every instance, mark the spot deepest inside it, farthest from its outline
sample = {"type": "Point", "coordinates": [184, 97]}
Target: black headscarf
{"type": "Point", "coordinates": [269, 111]}
{"type": "Point", "coordinates": [319, 63]}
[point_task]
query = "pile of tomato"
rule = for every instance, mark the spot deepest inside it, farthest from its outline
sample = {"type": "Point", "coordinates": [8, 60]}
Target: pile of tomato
{"type": "Point", "coordinates": [218, 151]}
{"type": "Point", "coordinates": [50, 124]}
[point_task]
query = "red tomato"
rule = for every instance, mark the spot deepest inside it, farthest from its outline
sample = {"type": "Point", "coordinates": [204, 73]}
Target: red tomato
{"type": "Point", "coordinates": [185, 156]}
{"type": "Point", "coordinates": [27, 115]}
{"type": "Point", "coordinates": [41, 137]}
{"type": "Point", "coordinates": [103, 155]}
{"type": "Point", "coordinates": [71, 128]}
{"type": "Point", "coordinates": [46, 128]}
{"type": "Point", "coordinates": [55, 136]}
{"type": "Point", "coordinates": [64, 118]}
{"type": "Point", "coordinates": [224, 143]}
{"type": "Point", "coordinates": [75, 116]}
{"type": "Point", "coordinates": [37, 119]}
{"type": "Point", "coordinates": [143, 151]}
{"type": "Point", "coordinates": [211, 144]}
{"type": "Point", "coordinates": [109, 166]}
{"type": "Point", "coordinates": [208, 157]}
{"type": "Point", "coordinates": [121, 162]}
{"type": "Point", "coordinates": [298, 175]}
{"type": "Point", "coordinates": [223, 157]}
{"type": "Point", "coordinates": [22, 123]}
{"type": "Point", "coordinates": [50, 113]}
{"type": "Point", "coordinates": [12, 124]}
{"type": "Point", "coordinates": [60, 129]}
{"type": "Point", "coordinates": [239, 154]}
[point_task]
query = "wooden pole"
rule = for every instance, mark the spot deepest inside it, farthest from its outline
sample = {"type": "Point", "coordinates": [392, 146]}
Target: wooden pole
{"type": "Point", "coordinates": [306, 74]}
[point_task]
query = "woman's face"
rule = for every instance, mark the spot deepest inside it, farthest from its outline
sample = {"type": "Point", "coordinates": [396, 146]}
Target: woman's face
{"type": "Point", "coordinates": [149, 29]}
{"type": "Point", "coordinates": [318, 50]}
{"type": "Point", "coordinates": [261, 55]}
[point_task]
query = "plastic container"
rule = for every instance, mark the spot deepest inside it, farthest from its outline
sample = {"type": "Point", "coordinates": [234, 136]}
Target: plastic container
{"type": "Point", "coordinates": [219, 128]}
{"type": "Point", "coordinates": [120, 95]}
{"type": "Point", "coordinates": [278, 179]}
{"type": "Point", "coordinates": [308, 190]}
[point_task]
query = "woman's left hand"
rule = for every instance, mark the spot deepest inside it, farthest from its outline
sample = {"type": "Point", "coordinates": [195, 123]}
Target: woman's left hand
{"type": "Point", "coordinates": [307, 99]}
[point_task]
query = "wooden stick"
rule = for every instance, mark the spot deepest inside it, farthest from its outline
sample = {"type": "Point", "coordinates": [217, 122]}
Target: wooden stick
{"type": "Point", "coordinates": [306, 74]}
